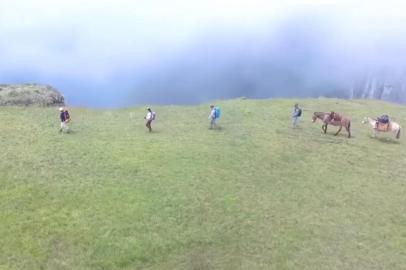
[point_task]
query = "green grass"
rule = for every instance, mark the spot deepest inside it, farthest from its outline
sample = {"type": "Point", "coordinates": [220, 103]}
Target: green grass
{"type": "Point", "coordinates": [254, 195]}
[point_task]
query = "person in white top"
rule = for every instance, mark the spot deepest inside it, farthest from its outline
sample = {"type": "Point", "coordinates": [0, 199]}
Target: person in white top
{"type": "Point", "coordinates": [149, 117]}
{"type": "Point", "coordinates": [212, 117]}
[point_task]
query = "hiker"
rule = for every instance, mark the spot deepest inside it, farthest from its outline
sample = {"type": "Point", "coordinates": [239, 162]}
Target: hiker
{"type": "Point", "coordinates": [213, 116]}
{"type": "Point", "coordinates": [65, 119]}
{"type": "Point", "coordinates": [383, 119]}
{"type": "Point", "coordinates": [149, 117]}
{"type": "Point", "coordinates": [296, 114]}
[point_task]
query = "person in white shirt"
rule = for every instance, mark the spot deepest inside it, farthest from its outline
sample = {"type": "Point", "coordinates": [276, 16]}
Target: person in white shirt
{"type": "Point", "coordinates": [212, 117]}
{"type": "Point", "coordinates": [149, 118]}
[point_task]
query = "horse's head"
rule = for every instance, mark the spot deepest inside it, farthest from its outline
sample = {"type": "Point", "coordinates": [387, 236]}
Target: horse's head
{"type": "Point", "coordinates": [365, 120]}
{"type": "Point", "coordinates": [314, 117]}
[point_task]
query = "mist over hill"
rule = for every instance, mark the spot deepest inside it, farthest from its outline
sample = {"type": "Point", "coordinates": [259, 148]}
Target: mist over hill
{"type": "Point", "coordinates": [303, 58]}
{"type": "Point", "coordinates": [191, 52]}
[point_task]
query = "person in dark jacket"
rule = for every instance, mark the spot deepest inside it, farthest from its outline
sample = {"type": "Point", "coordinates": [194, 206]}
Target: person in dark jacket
{"type": "Point", "coordinates": [65, 118]}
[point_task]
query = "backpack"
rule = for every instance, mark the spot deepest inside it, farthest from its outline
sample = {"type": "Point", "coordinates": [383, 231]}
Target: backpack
{"type": "Point", "coordinates": [299, 113]}
{"type": "Point", "coordinates": [383, 119]}
{"type": "Point", "coordinates": [67, 116]}
{"type": "Point", "coordinates": [217, 112]}
{"type": "Point", "coordinates": [153, 115]}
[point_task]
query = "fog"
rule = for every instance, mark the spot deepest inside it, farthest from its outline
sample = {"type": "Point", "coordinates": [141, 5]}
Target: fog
{"type": "Point", "coordinates": [121, 53]}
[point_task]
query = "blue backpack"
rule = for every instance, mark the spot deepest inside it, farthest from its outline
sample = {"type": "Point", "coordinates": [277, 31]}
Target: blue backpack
{"type": "Point", "coordinates": [217, 112]}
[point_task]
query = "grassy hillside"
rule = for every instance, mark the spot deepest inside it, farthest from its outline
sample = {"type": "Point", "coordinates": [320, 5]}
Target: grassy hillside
{"type": "Point", "coordinates": [254, 195]}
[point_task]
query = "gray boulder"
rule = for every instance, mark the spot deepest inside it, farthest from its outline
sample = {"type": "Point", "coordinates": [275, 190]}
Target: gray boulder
{"type": "Point", "coordinates": [30, 94]}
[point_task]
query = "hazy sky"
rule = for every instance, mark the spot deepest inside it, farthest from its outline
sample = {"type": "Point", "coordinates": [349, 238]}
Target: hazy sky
{"type": "Point", "coordinates": [112, 53]}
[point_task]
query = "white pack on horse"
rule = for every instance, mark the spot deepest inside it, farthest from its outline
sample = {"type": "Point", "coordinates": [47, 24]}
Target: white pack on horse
{"type": "Point", "coordinates": [377, 126]}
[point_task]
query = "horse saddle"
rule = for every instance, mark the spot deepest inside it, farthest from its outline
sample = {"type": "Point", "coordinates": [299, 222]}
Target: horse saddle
{"type": "Point", "coordinates": [383, 126]}
{"type": "Point", "coordinates": [336, 118]}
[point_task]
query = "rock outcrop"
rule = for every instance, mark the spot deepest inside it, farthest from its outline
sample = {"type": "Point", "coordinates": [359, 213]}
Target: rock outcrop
{"type": "Point", "coordinates": [30, 94]}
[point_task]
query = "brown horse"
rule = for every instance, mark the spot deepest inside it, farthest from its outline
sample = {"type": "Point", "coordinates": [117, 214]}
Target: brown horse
{"type": "Point", "coordinates": [338, 120]}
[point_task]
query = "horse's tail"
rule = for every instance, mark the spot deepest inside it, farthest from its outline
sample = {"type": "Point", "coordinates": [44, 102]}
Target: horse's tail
{"type": "Point", "coordinates": [398, 134]}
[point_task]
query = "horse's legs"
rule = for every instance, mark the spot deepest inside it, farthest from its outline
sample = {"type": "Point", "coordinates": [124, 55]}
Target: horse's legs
{"type": "Point", "coordinates": [338, 131]}
{"type": "Point", "coordinates": [324, 128]}
{"type": "Point", "coordinates": [397, 133]}
{"type": "Point", "coordinates": [348, 130]}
